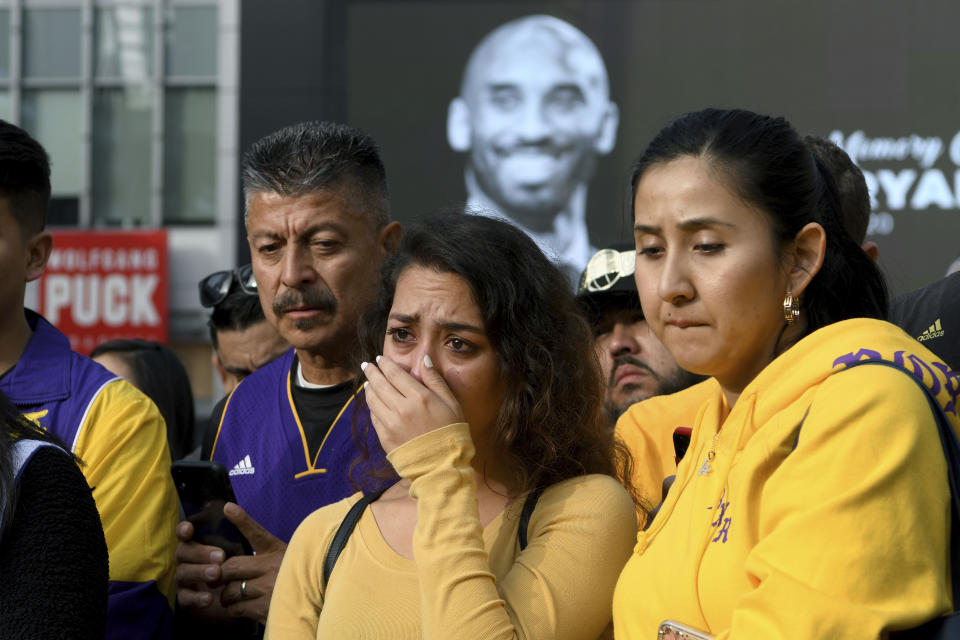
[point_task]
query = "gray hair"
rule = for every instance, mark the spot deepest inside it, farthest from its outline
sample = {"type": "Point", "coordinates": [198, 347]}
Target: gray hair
{"type": "Point", "coordinates": [318, 156]}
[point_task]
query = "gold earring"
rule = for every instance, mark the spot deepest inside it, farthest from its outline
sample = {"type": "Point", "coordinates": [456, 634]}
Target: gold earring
{"type": "Point", "coordinates": [791, 308]}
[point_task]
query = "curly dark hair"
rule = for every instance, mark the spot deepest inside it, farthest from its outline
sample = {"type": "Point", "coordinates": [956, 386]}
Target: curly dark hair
{"type": "Point", "coordinates": [551, 424]}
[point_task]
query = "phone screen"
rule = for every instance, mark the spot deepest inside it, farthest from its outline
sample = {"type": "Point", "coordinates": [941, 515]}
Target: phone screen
{"type": "Point", "coordinates": [204, 488]}
{"type": "Point", "coordinates": [681, 440]}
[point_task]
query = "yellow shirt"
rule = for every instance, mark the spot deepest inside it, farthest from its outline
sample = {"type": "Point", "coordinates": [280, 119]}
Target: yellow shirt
{"type": "Point", "coordinates": [841, 532]}
{"type": "Point", "coordinates": [647, 430]}
{"type": "Point", "coordinates": [126, 460]}
{"type": "Point", "coordinates": [466, 581]}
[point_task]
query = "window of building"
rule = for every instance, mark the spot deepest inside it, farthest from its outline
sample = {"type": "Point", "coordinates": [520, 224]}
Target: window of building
{"type": "Point", "coordinates": [4, 48]}
{"type": "Point", "coordinates": [126, 109]}
{"type": "Point", "coordinates": [51, 43]}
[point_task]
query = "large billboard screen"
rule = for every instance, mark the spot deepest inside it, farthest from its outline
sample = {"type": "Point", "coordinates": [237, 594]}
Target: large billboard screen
{"type": "Point", "coordinates": [877, 78]}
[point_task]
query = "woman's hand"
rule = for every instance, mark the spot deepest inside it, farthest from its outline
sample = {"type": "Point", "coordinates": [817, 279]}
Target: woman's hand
{"type": "Point", "coordinates": [402, 408]}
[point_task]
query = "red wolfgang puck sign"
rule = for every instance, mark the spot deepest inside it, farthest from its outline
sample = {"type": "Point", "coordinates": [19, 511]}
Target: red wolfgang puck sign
{"type": "Point", "coordinates": [101, 285]}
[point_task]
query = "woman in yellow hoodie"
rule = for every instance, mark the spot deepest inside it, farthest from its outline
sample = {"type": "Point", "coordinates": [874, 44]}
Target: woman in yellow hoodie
{"type": "Point", "coordinates": [812, 502]}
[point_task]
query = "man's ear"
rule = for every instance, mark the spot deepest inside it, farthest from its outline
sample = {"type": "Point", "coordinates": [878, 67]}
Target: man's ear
{"type": "Point", "coordinates": [806, 256]}
{"type": "Point", "coordinates": [224, 376]}
{"type": "Point", "coordinates": [459, 130]}
{"type": "Point", "coordinates": [38, 251]}
{"type": "Point", "coordinates": [609, 123]}
{"type": "Point", "coordinates": [389, 237]}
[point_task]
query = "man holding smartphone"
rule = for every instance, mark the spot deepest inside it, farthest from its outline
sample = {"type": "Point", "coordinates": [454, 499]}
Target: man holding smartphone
{"type": "Point", "coordinates": [317, 220]}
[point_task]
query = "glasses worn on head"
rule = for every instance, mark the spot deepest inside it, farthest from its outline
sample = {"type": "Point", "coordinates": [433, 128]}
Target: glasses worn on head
{"type": "Point", "coordinates": [606, 268]}
{"type": "Point", "coordinates": [215, 287]}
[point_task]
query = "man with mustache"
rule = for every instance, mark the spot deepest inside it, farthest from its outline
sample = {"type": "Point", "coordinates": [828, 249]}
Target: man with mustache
{"type": "Point", "coordinates": [533, 114]}
{"type": "Point", "coordinates": [317, 220]}
{"type": "Point", "coordinates": [634, 361]}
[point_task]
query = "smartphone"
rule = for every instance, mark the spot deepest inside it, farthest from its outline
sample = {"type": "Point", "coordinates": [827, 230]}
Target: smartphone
{"type": "Point", "coordinates": [681, 440]}
{"type": "Point", "coordinates": [204, 488]}
{"type": "Point", "coordinates": [673, 630]}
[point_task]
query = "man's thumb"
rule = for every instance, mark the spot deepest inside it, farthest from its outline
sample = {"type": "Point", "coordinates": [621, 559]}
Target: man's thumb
{"type": "Point", "coordinates": [259, 538]}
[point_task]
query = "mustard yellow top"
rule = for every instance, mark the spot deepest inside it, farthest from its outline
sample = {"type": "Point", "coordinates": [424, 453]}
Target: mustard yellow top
{"type": "Point", "coordinates": [823, 511]}
{"type": "Point", "coordinates": [466, 581]}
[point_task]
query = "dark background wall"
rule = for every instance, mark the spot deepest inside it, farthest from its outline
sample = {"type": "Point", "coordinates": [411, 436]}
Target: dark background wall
{"type": "Point", "coordinates": [291, 69]}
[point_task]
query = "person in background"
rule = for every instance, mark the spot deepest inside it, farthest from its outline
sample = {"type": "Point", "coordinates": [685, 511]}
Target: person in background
{"type": "Point", "coordinates": [53, 557]}
{"type": "Point", "coordinates": [635, 365]}
{"type": "Point", "coordinates": [106, 421]}
{"type": "Point", "coordinates": [318, 224]}
{"type": "Point", "coordinates": [157, 371]}
{"type": "Point", "coordinates": [746, 274]}
{"type": "Point", "coordinates": [634, 362]}
{"type": "Point", "coordinates": [532, 117]}
{"type": "Point", "coordinates": [243, 340]}
{"type": "Point", "coordinates": [930, 314]}
{"type": "Point", "coordinates": [487, 392]}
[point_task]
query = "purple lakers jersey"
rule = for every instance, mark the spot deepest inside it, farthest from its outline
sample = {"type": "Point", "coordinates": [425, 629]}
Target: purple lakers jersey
{"type": "Point", "coordinates": [262, 444]}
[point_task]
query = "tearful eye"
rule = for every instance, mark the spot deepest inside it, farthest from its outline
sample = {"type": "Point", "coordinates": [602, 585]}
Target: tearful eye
{"type": "Point", "coordinates": [399, 334]}
{"type": "Point", "coordinates": [459, 345]}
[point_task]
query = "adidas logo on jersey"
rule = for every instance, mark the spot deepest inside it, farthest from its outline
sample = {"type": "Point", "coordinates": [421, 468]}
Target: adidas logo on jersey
{"type": "Point", "coordinates": [242, 468]}
{"type": "Point", "coordinates": [935, 331]}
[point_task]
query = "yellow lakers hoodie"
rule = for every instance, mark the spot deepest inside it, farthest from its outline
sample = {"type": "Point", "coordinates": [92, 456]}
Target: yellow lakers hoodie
{"type": "Point", "coordinates": [817, 507]}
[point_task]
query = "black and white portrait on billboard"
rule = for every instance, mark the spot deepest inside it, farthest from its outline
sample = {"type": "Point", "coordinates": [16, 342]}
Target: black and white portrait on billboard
{"type": "Point", "coordinates": [532, 116]}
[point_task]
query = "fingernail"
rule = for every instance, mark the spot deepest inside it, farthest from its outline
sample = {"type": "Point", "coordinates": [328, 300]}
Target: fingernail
{"type": "Point", "coordinates": [211, 572]}
{"type": "Point", "coordinates": [216, 557]}
{"type": "Point", "coordinates": [364, 365]}
{"type": "Point", "coordinates": [427, 361]}
{"type": "Point", "coordinates": [231, 509]}
{"type": "Point", "coordinates": [378, 359]}
{"type": "Point", "coordinates": [204, 599]}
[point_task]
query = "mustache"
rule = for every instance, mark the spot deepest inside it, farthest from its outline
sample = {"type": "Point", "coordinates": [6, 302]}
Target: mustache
{"type": "Point", "coordinates": [619, 361]}
{"type": "Point", "coordinates": [316, 298]}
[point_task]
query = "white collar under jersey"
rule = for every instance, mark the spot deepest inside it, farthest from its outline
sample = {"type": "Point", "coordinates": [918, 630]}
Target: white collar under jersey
{"type": "Point", "coordinates": [302, 382]}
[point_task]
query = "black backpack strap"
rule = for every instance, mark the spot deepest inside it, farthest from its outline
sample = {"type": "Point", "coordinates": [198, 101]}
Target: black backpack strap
{"type": "Point", "coordinates": [353, 516]}
{"type": "Point", "coordinates": [344, 530]}
{"type": "Point", "coordinates": [528, 506]}
{"type": "Point", "coordinates": [951, 450]}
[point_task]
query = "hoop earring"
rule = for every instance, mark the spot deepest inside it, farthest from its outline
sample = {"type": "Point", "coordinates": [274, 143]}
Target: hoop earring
{"type": "Point", "coordinates": [791, 308]}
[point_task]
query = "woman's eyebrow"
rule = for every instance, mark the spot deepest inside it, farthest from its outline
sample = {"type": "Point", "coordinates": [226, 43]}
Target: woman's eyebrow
{"type": "Point", "coordinates": [460, 326]}
{"type": "Point", "coordinates": [686, 225]}
{"type": "Point", "coordinates": [449, 325]}
{"type": "Point", "coordinates": [698, 223]}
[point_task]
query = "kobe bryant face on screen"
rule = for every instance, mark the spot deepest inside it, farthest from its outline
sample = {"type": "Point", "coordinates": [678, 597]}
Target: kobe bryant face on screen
{"type": "Point", "coordinates": [533, 113]}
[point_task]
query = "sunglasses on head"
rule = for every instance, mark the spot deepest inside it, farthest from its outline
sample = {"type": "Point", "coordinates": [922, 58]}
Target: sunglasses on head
{"type": "Point", "coordinates": [215, 287]}
{"type": "Point", "coordinates": [606, 268]}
